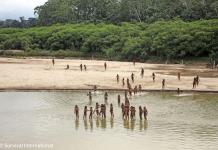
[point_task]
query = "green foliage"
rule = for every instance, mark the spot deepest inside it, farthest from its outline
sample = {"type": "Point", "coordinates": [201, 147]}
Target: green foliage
{"type": "Point", "coordinates": [162, 39]}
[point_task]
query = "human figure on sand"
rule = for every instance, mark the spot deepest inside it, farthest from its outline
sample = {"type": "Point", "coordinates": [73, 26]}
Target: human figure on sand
{"type": "Point", "coordinates": [132, 77]}
{"type": "Point", "coordinates": [140, 112]}
{"type": "Point", "coordinates": [103, 111]}
{"type": "Point", "coordinates": [76, 111]}
{"type": "Point", "coordinates": [179, 75]}
{"type": "Point", "coordinates": [142, 72]}
{"type": "Point", "coordinates": [53, 61]}
{"type": "Point", "coordinates": [118, 78]}
{"type": "Point", "coordinates": [97, 110]}
{"type": "Point", "coordinates": [81, 67]}
{"type": "Point", "coordinates": [68, 67]}
{"type": "Point", "coordinates": [85, 68]}
{"type": "Point", "coordinates": [105, 66]}
{"type": "Point", "coordinates": [123, 82]}
{"type": "Point", "coordinates": [163, 83]}
{"type": "Point", "coordinates": [153, 76]}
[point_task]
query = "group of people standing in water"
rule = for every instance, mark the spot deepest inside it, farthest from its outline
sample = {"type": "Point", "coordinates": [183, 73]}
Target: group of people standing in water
{"type": "Point", "coordinates": [128, 111]}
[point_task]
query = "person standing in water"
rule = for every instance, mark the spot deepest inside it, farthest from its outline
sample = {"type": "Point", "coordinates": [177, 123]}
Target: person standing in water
{"type": "Point", "coordinates": [118, 78]}
{"type": "Point", "coordinates": [111, 110]}
{"type": "Point", "coordinates": [90, 96]}
{"type": "Point", "coordinates": [140, 112]}
{"type": "Point", "coordinates": [105, 97]}
{"type": "Point", "coordinates": [76, 111]}
{"type": "Point", "coordinates": [85, 112]}
{"type": "Point", "coordinates": [85, 68]}
{"type": "Point", "coordinates": [53, 61]}
{"type": "Point", "coordinates": [105, 66]}
{"type": "Point", "coordinates": [91, 113]}
{"type": "Point", "coordinates": [97, 110]}
{"type": "Point", "coordinates": [145, 111]}
{"type": "Point", "coordinates": [118, 99]}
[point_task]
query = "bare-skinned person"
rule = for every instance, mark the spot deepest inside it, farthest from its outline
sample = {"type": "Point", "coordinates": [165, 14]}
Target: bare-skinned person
{"type": "Point", "coordinates": [133, 77]}
{"type": "Point", "coordinates": [197, 80]}
{"type": "Point", "coordinates": [179, 76]}
{"type": "Point", "coordinates": [53, 61]}
{"type": "Point", "coordinates": [135, 90]}
{"type": "Point", "coordinates": [140, 87]}
{"type": "Point", "coordinates": [105, 97]}
{"type": "Point", "coordinates": [90, 96]}
{"type": "Point", "coordinates": [123, 82]}
{"type": "Point", "coordinates": [145, 111]}
{"type": "Point", "coordinates": [118, 99]}
{"type": "Point", "coordinates": [122, 108]}
{"type": "Point", "coordinates": [68, 67]}
{"type": "Point", "coordinates": [132, 112]}
{"type": "Point", "coordinates": [153, 76]}
{"type": "Point", "coordinates": [97, 109]}
{"type": "Point", "coordinates": [85, 68]}
{"type": "Point", "coordinates": [111, 110]}
{"type": "Point", "coordinates": [163, 83]}
{"type": "Point", "coordinates": [140, 112]}
{"type": "Point", "coordinates": [194, 83]}
{"type": "Point", "coordinates": [105, 66]}
{"type": "Point", "coordinates": [85, 112]}
{"type": "Point", "coordinates": [81, 67]}
{"type": "Point", "coordinates": [76, 111]}
{"type": "Point", "coordinates": [126, 111]}
{"type": "Point", "coordinates": [90, 113]}
{"type": "Point", "coordinates": [142, 72]}
{"type": "Point", "coordinates": [118, 78]}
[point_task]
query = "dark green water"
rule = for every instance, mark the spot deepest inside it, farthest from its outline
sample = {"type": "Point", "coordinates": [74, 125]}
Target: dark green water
{"type": "Point", "coordinates": [185, 122]}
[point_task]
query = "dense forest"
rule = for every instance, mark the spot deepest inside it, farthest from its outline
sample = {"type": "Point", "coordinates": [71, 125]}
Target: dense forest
{"type": "Point", "coordinates": [127, 41]}
{"type": "Point", "coordinates": [117, 11]}
{"type": "Point", "coordinates": [117, 29]}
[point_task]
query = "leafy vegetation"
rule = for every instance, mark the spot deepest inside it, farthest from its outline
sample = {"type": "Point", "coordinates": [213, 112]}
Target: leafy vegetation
{"type": "Point", "coordinates": [116, 11]}
{"type": "Point", "coordinates": [127, 41]}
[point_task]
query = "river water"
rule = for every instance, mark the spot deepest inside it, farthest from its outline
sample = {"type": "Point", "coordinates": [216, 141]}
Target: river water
{"type": "Point", "coordinates": [185, 122]}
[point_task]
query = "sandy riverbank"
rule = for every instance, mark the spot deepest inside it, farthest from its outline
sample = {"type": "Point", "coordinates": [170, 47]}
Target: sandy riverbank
{"type": "Point", "coordinates": [36, 74]}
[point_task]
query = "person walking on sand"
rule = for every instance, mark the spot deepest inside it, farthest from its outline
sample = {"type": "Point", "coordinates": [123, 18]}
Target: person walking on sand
{"type": "Point", "coordinates": [81, 67]}
{"type": "Point", "coordinates": [76, 111]}
{"type": "Point", "coordinates": [197, 80]}
{"type": "Point", "coordinates": [153, 76]}
{"type": "Point", "coordinates": [118, 78]}
{"type": "Point", "coordinates": [194, 83]}
{"type": "Point", "coordinates": [132, 77]}
{"type": "Point", "coordinates": [68, 67]}
{"type": "Point", "coordinates": [105, 66]}
{"type": "Point", "coordinates": [85, 68]}
{"type": "Point", "coordinates": [142, 72]}
{"type": "Point", "coordinates": [163, 83]}
{"type": "Point", "coordinates": [53, 61]}
{"type": "Point", "coordinates": [179, 75]}
{"type": "Point", "coordinates": [123, 82]}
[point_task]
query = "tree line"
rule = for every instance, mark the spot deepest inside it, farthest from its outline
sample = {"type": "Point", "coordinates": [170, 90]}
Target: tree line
{"type": "Point", "coordinates": [117, 11]}
{"type": "Point", "coordinates": [162, 39]}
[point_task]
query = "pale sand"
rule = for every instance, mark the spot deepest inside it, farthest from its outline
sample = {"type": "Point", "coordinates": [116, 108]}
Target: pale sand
{"type": "Point", "coordinates": [30, 73]}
